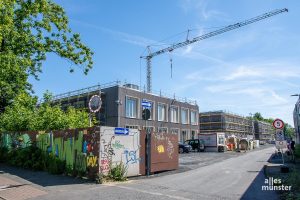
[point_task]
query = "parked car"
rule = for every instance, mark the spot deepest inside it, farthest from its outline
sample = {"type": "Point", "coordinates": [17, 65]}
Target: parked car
{"type": "Point", "coordinates": [197, 144]}
{"type": "Point", "coordinates": [184, 148]}
{"type": "Point", "coordinates": [262, 142]}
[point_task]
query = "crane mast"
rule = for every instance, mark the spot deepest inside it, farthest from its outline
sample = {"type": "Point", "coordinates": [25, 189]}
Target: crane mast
{"type": "Point", "coordinates": [202, 37]}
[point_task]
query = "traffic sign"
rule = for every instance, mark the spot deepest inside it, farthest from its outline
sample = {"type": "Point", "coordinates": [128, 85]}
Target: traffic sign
{"type": "Point", "coordinates": [279, 136]}
{"type": "Point", "coordinates": [146, 114]}
{"type": "Point", "coordinates": [146, 104]}
{"type": "Point", "coordinates": [121, 131]}
{"type": "Point", "coordinates": [95, 103]}
{"type": "Point", "coordinates": [278, 124]}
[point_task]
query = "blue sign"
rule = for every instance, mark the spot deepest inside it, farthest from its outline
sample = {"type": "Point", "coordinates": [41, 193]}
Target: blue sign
{"type": "Point", "coordinates": [146, 104]}
{"type": "Point", "coordinates": [121, 131]}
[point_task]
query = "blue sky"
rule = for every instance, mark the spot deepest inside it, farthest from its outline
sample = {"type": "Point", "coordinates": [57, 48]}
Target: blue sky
{"type": "Point", "coordinates": [251, 69]}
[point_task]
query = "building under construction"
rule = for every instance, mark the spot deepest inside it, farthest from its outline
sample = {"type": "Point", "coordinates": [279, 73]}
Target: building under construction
{"type": "Point", "coordinates": [122, 106]}
{"type": "Point", "coordinates": [233, 124]}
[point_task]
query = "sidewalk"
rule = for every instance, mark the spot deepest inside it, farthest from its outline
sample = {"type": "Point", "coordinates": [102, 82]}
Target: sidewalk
{"type": "Point", "coordinates": [13, 190]}
{"type": "Point", "coordinates": [21, 184]}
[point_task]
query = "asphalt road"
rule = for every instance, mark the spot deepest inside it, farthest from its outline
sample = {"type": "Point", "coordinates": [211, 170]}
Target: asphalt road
{"type": "Point", "coordinates": [238, 177]}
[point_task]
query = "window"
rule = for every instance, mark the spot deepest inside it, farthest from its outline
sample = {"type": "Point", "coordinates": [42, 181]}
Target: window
{"type": "Point", "coordinates": [174, 114]}
{"type": "Point", "coordinates": [183, 135]}
{"type": "Point", "coordinates": [175, 131]}
{"type": "Point", "coordinates": [194, 136]}
{"type": "Point", "coordinates": [132, 126]}
{"type": "Point", "coordinates": [151, 128]}
{"type": "Point", "coordinates": [184, 116]}
{"type": "Point", "coordinates": [131, 107]}
{"type": "Point", "coordinates": [161, 112]}
{"type": "Point", "coordinates": [194, 119]}
{"type": "Point", "coordinates": [163, 130]}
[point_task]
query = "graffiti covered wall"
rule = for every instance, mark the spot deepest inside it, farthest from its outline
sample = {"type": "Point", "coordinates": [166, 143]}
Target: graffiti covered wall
{"type": "Point", "coordinates": [95, 150]}
{"type": "Point", "coordinates": [78, 147]}
{"type": "Point", "coordinates": [115, 148]}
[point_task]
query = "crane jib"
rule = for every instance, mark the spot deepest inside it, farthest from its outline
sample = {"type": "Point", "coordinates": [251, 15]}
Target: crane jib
{"type": "Point", "coordinates": [205, 36]}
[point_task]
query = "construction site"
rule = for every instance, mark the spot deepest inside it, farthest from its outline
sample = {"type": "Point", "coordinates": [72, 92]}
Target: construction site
{"type": "Point", "coordinates": [233, 124]}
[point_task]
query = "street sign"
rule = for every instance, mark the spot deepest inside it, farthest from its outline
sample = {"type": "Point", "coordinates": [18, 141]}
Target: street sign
{"type": "Point", "coordinates": [279, 135]}
{"type": "Point", "coordinates": [146, 104]}
{"type": "Point", "coordinates": [281, 144]}
{"type": "Point", "coordinates": [121, 131]}
{"type": "Point", "coordinates": [95, 103]}
{"type": "Point", "coordinates": [278, 124]}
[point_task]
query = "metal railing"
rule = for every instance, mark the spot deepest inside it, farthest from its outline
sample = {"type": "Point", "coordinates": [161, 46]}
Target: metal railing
{"type": "Point", "coordinates": [100, 87]}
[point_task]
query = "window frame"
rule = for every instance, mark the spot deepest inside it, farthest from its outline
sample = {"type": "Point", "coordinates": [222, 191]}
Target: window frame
{"type": "Point", "coordinates": [166, 112]}
{"type": "Point", "coordinates": [137, 106]}
{"type": "Point", "coordinates": [187, 115]}
{"type": "Point", "coordinates": [197, 118]}
{"type": "Point", "coordinates": [172, 106]}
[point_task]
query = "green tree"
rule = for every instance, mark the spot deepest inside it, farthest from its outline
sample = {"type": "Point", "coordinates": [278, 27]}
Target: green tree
{"type": "Point", "coordinates": [19, 115]}
{"type": "Point", "coordinates": [288, 131]}
{"type": "Point", "coordinates": [258, 116]}
{"type": "Point", "coordinates": [77, 118]}
{"type": "Point", "coordinates": [29, 30]}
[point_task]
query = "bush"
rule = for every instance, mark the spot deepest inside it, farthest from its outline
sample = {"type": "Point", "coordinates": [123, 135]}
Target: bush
{"type": "Point", "coordinates": [118, 172]}
{"type": "Point", "coordinates": [29, 158]}
{"type": "Point", "coordinates": [297, 150]}
{"type": "Point", "coordinates": [33, 158]}
{"type": "Point", "coordinates": [55, 165]}
{"type": "Point", "coordinates": [3, 154]}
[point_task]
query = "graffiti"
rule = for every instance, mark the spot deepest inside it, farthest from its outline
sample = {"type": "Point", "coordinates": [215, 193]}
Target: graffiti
{"type": "Point", "coordinates": [106, 155]}
{"type": "Point", "coordinates": [170, 148]}
{"type": "Point", "coordinates": [160, 149]}
{"type": "Point", "coordinates": [117, 145]}
{"type": "Point", "coordinates": [159, 136]}
{"type": "Point", "coordinates": [108, 151]}
{"type": "Point", "coordinates": [80, 163]}
{"type": "Point", "coordinates": [105, 165]}
{"type": "Point", "coordinates": [131, 157]}
{"type": "Point", "coordinates": [92, 161]}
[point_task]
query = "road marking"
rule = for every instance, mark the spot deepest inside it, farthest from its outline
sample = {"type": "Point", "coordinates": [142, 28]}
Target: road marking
{"type": "Point", "coordinates": [147, 192]}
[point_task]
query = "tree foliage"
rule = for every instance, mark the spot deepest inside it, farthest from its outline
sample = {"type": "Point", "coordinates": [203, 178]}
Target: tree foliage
{"type": "Point", "coordinates": [29, 29]}
{"type": "Point", "coordinates": [24, 115]}
{"type": "Point", "coordinates": [258, 116]}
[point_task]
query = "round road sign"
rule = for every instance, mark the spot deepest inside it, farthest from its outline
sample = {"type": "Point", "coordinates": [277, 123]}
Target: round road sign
{"type": "Point", "coordinates": [278, 124]}
{"type": "Point", "coordinates": [95, 103]}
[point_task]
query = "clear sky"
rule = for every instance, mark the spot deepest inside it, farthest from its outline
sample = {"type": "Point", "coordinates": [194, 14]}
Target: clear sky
{"type": "Point", "coordinates": [251, 69]}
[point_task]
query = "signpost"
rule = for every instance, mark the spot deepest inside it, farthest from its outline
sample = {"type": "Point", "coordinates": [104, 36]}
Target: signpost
{"type": "Point", "coordinates": [147, 105]}
{"type": "Point", "coordinates": [280, 142]}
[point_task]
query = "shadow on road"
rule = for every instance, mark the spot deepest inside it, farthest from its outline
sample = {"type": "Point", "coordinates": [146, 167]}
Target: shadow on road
{"type": "Point", "coordinates": [255, 190]}
{"type": "Point", "coordinates": [39, 177]}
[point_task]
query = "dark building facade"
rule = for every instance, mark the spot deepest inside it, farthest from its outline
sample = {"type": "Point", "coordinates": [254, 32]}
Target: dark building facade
{"type": "Point", "coordinates": [122, 107]}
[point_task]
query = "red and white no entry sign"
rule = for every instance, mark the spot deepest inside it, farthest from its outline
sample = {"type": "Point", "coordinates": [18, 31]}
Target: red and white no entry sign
{"type": "Point", "coordinates": [278, 124]}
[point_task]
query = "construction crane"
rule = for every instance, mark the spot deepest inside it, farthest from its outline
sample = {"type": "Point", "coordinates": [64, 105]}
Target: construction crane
{"type": "Point", "coordinates": [202, 37]}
